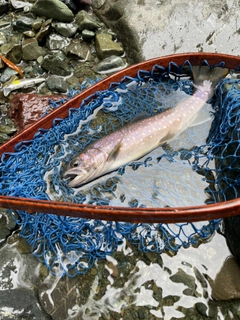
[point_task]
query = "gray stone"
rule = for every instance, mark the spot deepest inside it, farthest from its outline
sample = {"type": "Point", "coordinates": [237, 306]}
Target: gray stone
{"type": "Point", "coordinates": [54, 9]}
{"type": "Point", "coordinates": [23, 23]}
{"type": "Point", "coordinates": [37, 23]}
{"type": "Point", "coordinates": [7, 74]}
{"type": "Point", "coordinates": [29, 34]}
{"type": "Point", "coordinates": [106, 47]}
{"type": "Point", "coordinates": [57, 84]}
{"type": "Point", "coordinates": [45, 30]}
{"type": "Point", "coordinates": [56, 65]}
{"type": "Point", "coordinates": [85, 21]}
{"type": "Point", "coordinates": [66, 29]}
{"type": "Point", "coordinates": [110, 64]}
{"type": "Point", "coordinates": [88, 34]}
{"type": "Point", "coordinates": [78, 49]}
{"type": "Point", "coordinates": [31, 50]}
{"type": "Point", "coordinates": [57, 42]}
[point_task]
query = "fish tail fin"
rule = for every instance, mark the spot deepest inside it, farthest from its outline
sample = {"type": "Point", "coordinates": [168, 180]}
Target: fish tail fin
{"type": "Point", "coordinates": [210, 74]}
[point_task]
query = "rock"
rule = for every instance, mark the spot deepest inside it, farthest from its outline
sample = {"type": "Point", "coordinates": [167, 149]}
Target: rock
{"type": "Point", "coordinates": [66, 29]}
{"type": "Point", "coordinates": [25, 109]}
{"type": "Point", "coordinates": [85, 21]}
{"type": "Point", "coordinates": [3, 6]}
{"type": "Point", "coordinates": [56, 65]}
{"type": "Point", "coordinates": [54, 9]}
{"type": "Point", "coordinates": [57, 42]}
{"type": "Point", "coordinates": [7, 74]}
{"type": "Point", "coordinates": [88, 34]}
{"type": "Point", "coordinates": [226, 285]}
{"type": "Point", "coordinates": [57, 84]}
{"type": "Point", "coordinates": [2, 38]}
{"type": "Point", "coordinates": [78, 49]}
{"type": "Point", "coordinates": [20, 4]}
{"type": "Point", "coordinates": [110, 64]}
{"type": "Point", "coordinates": [97, 4]}
{"type": "Point", "coordinates": [29, 34]}
{"type": "Point", "coordinates": [31, 50]}
{"type": "Point", "coordinates": [37, 23]}
{"type": "Point", "coordinates": [13, 52]}
{"type": "Point", "coordinates": [22, 24]}
{"type": "Point", "coordinates": [106, 47]}
{"type": "Point", "coordinates": [45, 30]}
{"type": "Point", "coordinates": [71, 4]}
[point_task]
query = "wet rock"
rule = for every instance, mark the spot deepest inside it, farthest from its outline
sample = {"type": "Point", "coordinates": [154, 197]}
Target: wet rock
{"type": "Point", "coordinates": [13, 52]}
{"type": "Point", "coordinates": [25, 109]}
{"type": "Point", "coordinates": [85, 21]}
{"type": "Point", "coordinates": [23, 24]}
{"type": "Point", "coordinates": [71, 5]}
{"type": "Point", "coordinates": [88, 34]}
{"type": "Point", "coordinates": [54, 9]}
{"type": "Point", "coordinates": [7, 128]}
{"type": "Point", "coordinates": [226, 285]}
{"type": "Point", "coordinates": [97, 4]}
{"type": "Point", "coordinates": [31, 50]}
{"type": "Point", "coordinates": [78, 49]}
{"type": "Point", "coordinates": [56, 65]}
{"type": "Point", "coordinates": [3, 6]}
{"type": "Point", "coordinates": [7, 74]}
{"type": "Point", "coordinates": [37, 23]}
{"type": "Point", "coordinates": [29, 34]}
{"type": "Point", "coordinates": [57, 84]}
{"type": "Point", "coordinates": [57, 42]}
{"type": "Point", "coordinates": [2, 38]}
{"type": "Point", "coordinates": [20, 4]}
{"type": "Point", "coordinates": [66, 29]}
{"type": "Point", "coordinates": [106, 47]}
{"type": "Point", "coordinates": [4, 230]}
{"type": "Point", "coordinates": [110, 64]}
{"type": "Point", "coordinates": [45, 30]}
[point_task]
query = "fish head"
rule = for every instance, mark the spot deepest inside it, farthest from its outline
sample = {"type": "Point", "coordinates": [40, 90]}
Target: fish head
{"type": "Point", "coordinates": [85, 167]}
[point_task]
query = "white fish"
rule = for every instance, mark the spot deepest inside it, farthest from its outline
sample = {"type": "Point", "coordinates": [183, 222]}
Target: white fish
{"type": "Point", "coordinates": [140, 137]}
{"type": "Point", "coordinates": [22, 83]}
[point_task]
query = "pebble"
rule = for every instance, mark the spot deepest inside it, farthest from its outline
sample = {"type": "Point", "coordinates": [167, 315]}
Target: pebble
{"type": "Point", "coordinates": [56, 65]}
{"type": "Point", "coordinates": [110, 65]}
{"type": "Point", "coordinates": [54, 9]}
{"type": "Point", "coordinates": [106, 47]}
{"type": "Point", "coordinates": [31, 50]}
{"type": "Point", "coordinates": [57, 42]}
{"type": "Point", "coordinates": [85, 21]}
{"type": "Point", "coordinates": [66, 29]}
{"type": "Point", "coordinates": [57, 84]}
{"type": "Point", "coordinates": [79, 50]}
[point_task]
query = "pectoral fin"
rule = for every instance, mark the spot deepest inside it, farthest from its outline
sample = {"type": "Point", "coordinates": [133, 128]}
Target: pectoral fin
{"type": "Point", "coordinates": [115, 152]}
{"type": "Point", "coordinates": [203, 115]}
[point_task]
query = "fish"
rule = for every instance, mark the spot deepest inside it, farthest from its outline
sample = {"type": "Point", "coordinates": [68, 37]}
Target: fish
{"type": "Point", "coordinates": [21, 83]}
{"type": "Point", "coordinates": [11, 65]}
{"type": "Point", "coordinates": [140, 137]}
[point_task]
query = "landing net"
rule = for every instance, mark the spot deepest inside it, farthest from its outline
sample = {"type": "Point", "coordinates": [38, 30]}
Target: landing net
{"type": "Point", "coordinates": [200, 167]}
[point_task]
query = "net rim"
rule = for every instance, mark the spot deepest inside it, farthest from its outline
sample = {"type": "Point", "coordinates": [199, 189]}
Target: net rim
{"type": "Point", "coordinates": [147, 215]}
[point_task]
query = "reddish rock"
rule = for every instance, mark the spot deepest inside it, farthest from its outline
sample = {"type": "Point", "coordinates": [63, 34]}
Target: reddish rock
{"type": "Point", "coordinates": [25, 109]}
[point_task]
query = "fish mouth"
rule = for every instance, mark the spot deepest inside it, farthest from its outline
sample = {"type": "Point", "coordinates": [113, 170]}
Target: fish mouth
{"type": "Point", "coordinates": [75, 179]}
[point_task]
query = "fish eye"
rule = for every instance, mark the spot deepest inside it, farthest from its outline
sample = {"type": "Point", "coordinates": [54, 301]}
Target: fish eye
{"type": "Point", "coordinates": [75, 163]}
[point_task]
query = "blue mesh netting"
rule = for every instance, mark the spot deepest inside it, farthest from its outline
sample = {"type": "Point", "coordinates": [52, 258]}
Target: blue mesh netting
{"type": "Point", "coordinates": [188, 171]}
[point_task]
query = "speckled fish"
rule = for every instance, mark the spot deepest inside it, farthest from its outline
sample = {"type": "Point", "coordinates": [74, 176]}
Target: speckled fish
{"type": "Point", "coordinates": [138, 138]}
{"type": "Point", "coordinates": [22, 83]}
